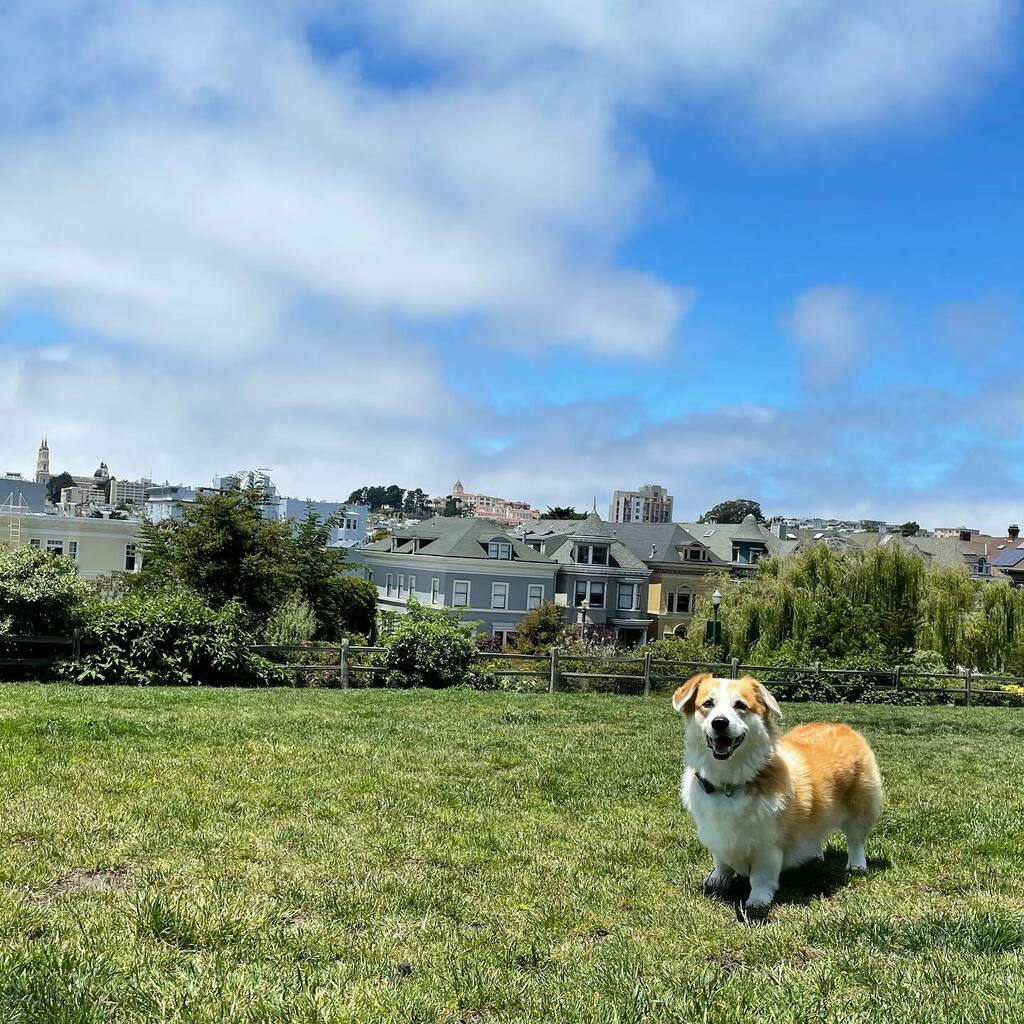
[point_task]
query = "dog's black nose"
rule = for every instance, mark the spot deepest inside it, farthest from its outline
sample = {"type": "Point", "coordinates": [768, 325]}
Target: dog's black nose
{"type": "Point", "coordinates": [720, 724]}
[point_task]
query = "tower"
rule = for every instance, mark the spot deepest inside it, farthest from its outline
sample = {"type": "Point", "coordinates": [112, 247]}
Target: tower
{"type": "Point", "coordinates": [43, 463]}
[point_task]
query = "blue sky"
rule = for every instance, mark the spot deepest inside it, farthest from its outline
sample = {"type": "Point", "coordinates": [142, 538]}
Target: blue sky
{"type": "Point", "coordinates": [738, 249]}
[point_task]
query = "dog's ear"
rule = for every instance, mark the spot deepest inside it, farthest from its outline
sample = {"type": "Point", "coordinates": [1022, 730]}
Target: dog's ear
{"type": "Point", "coordinates": [770, 702]}
{"type": "Point", "coordinates": [683, 698]}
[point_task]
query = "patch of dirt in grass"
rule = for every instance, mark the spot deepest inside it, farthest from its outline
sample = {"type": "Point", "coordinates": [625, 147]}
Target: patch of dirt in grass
{"type": "Point", "coordinates": [90, 880]}
{"type": "Point", "coordinates": [727, 961]}
{"type": "Point", "coordinates": [595, 938]}
{"type": "Point", "coordinates": [295, 920]}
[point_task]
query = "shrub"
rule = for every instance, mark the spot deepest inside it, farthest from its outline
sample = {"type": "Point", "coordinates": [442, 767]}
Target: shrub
{"type": "Point", "coordinates": [292, 623]}
{"type": "Point", "coordinates": [39, 593]}
{"type": "Point", "coordinates": [428, 651]}
{"type": "Point", "coordinates": [538, 630]}
{"type": "Point", "coordinates": [168, 638]}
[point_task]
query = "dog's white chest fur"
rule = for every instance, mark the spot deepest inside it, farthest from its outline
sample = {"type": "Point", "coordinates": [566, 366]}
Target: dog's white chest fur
{"type": "Point", "coordinates": [733, 827]}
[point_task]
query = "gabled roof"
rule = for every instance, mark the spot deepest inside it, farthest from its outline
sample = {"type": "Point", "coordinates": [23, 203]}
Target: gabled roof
{"type": "Point", "coordinates": [719, 537]}
{"type": "Point", "coordinates": [655, 542]}
{"type": "Point", "coordinates": [454, 537]}
{"type": "Point", "coordinates": [560, 536]}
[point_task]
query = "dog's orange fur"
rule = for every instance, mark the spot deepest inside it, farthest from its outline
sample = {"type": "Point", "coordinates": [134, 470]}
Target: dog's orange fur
{"type": "Point", "coordinates": [823, 771]}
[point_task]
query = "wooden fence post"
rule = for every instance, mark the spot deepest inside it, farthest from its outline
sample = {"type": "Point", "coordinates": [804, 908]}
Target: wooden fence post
{"type": "Point", "coordinates": [553, 682]}
{"type": "Point", "coordinates": [967, 688]}
{"type": "Point", "coordinates": [343, 661]}
{"type": "Point", "coordinates": [897, 674]}
{"type": "Point", "coordinates": [76, 644]}
{"type": "Point", "coordinates": [735, 668]}
{"type": "Point", "coordinates": [647, 674]}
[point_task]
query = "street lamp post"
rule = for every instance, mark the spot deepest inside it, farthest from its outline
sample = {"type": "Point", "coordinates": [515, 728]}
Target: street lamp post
{"type": "Point", "coordinates": [714, 630]}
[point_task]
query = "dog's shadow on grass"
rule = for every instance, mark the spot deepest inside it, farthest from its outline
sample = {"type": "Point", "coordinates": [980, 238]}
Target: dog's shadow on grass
{"type": "Point", "coordinates": [818, 879]}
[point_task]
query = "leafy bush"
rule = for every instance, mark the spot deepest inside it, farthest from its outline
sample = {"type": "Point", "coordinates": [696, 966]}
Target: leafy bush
{"type": "Point", "coordinates": [292, 623]}
{"type": "Point", "coordinates": [168, 638]}
{"type": "Point", "coordinates": [428, 648]}
{"type": "Point", "coordinates": [538, 630]}
{"type": "Point", "coordinates": [39, 593]}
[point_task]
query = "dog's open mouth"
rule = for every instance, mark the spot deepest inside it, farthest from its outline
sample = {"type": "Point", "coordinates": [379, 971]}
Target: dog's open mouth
{"type": "Point", "coordinates": [722, 747]}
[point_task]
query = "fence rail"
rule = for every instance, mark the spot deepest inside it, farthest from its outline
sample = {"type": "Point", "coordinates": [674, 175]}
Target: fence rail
{"type": "Point", "coordinates": [338, 663]}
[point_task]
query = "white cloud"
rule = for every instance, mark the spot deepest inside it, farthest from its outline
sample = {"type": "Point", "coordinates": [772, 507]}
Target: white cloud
{"type": "Point", "coordinates": [830, 324]}
{"type": "Point", "coordinates": [803, 64]}
{"type": "Point", "coordinates": [235, 173]}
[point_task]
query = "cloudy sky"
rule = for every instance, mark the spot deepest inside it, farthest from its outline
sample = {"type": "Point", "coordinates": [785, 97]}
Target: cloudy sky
{"type": "Point", "coordinates": [770, 250]}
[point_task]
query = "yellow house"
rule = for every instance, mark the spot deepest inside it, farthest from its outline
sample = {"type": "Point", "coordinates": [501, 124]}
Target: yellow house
{"type": "Point", "coordinates": [98, 546]}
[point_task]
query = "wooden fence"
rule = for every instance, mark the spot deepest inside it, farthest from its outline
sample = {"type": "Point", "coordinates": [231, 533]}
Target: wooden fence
{"type": "Point", "coordinates": [345, 665]}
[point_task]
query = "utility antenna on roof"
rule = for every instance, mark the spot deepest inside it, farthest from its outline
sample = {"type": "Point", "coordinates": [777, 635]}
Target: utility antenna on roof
{"type": "Point", "coordinates": [595, 503]}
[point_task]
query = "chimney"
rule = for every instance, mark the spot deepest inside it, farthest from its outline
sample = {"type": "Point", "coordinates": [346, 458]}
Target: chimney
{"type": "Point", "coordinates": [654, 548]}
{"type": "Point", "coordinates": [1013, 531]}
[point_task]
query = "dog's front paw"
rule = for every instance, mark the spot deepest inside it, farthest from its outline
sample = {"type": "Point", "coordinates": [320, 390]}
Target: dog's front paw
{"type": "Point", "coordinates": [756, 913]}
{"type": "Point", "coordinates": [717, 882]}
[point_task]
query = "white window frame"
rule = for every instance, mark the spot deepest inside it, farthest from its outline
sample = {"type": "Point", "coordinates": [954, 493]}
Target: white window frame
{"type": "Point", "coordinates": [503, 633]}
{"type": "Point", "coordinates": [435, 591]}
{"type": "Point", "coordinates": [401, 586]}
{"type": "Point", "coordinates": [469, 593]}
{"type": "Point", "coordinates": [589, 548]}
{"type": "Point", "coordinates": [534, 596]}
{"type": "Point", "coordinates": [131, 550]}
{"type": "Point", "coordinates": [35, 542]}
{"type": "Point", "coordinates": [634, 590]}
{"type": "Point", "coordinates": [412, 586]}
{"type": "Point", "coordinates": [55, 546]}
{"type": "Point", "coordinates": [389, 589]}
{"type": "Point", "coordinates": [499, 549]}
{"type": "Point", "coordinates": [73, 550]}
{"type": "Point", "coordinates": [590, 585]}
{"type": "Point", "coordinates": [502, 589]}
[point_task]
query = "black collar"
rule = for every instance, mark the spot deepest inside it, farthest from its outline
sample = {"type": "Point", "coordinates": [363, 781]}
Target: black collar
{"type": "Point", "coordinates": [712, 789]}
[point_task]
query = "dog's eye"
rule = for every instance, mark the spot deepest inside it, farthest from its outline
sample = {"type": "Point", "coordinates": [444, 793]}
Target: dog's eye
{"type": "Point", "coordinates": [708, 704]}
{"type": "Point", "coordinates": [740, 706]}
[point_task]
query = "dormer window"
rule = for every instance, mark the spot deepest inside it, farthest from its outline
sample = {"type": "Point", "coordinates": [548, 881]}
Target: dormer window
{"type": "Point", "coordinates": [695, 553]}
{"type": "Point", "coordinates": [591, 554]}
{"type": "Point", "coordinates": [499, 549]}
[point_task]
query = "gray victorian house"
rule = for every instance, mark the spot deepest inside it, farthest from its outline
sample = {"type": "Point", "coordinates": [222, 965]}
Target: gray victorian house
{"type": "Point", "coordinates": [495, 578]}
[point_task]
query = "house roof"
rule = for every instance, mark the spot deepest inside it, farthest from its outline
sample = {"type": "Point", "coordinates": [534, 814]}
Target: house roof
{"type": "Point", "coordinates": [654, 542]}
{"type": "Point", "coordinates": [719, 537]}
{"type": "Point", "coordinates": [561, 535]}
{"type": "Point", "coordinates": [454, 537]}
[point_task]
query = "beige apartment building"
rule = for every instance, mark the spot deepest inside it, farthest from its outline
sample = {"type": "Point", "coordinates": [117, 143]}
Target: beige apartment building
{"type": "Point", "coordinates": [98, 546]}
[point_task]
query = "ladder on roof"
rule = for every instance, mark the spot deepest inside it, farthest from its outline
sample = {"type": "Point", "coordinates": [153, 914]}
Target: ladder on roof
{"type": "Point", "coordinates": [14, 513]}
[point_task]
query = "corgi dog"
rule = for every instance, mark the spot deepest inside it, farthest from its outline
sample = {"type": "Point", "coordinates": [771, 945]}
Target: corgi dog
{"type": "Point", "coordinates": [764, 802]}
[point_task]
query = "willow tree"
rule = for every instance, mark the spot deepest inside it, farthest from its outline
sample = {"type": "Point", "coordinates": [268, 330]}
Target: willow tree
{"type": "Point", "coordinates": [823, 605]}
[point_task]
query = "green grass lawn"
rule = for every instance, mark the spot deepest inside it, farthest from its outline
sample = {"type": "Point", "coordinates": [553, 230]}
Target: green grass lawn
{"type": "Point", "coordinates": [310, 855]}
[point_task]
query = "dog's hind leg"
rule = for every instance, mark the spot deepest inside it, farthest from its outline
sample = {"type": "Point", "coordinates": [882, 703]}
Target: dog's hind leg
{"type": "Point", "coordinates": [863, 804]}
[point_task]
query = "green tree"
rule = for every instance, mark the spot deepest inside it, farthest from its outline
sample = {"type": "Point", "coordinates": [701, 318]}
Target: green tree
{"type": "Point", "coordinates": [735, 510]}
{"type": "Point", "coordinates": [56, 484]}
{"type": "Point", "coordinates": [394, 497]}
{"type": "Point", "coordinates": [226, 550]}
{"type": "Point", "coordinates": [415, 503]}
{"type": "Point", "coordinates": [563, 512]}
{"type": "Point", "coordinates": [539, 629]}
{"type": "Point", "coordinates": [340, 601]}
{"type": "Point", "coordinates": [910, 529]}
{"type": "Point", "coordinates": [453, 507]}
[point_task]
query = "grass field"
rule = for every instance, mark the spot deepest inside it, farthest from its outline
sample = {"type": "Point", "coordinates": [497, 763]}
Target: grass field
{"type": "Point", "coordinates": [203, 855]}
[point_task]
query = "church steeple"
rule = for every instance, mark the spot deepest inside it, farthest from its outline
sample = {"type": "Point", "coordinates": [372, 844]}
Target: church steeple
{"type": "Point", "coordinates": [43, 463]}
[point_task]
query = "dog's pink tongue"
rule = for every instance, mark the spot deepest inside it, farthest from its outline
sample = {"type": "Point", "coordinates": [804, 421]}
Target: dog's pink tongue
{"type": "Point", "coordinates": [722, 744]}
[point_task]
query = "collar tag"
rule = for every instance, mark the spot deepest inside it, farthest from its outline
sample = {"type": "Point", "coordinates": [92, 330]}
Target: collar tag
{"type": "Point", "coordinates": [711, 789]}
